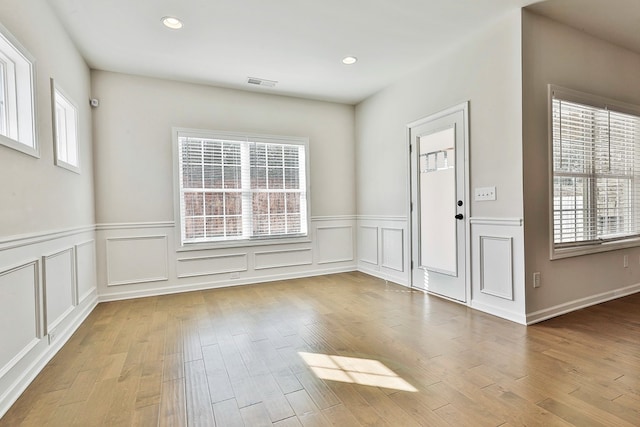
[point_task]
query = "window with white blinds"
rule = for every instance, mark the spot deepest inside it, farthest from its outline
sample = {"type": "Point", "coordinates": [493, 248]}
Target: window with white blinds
{"type": "Point", "coordinates": [238, 187]}
{"type": "Point", "coordinates": [596, 169]}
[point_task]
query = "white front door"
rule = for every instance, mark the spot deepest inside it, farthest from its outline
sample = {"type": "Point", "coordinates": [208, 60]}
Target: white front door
{"type": "Point", "coordinates": [439, 203]}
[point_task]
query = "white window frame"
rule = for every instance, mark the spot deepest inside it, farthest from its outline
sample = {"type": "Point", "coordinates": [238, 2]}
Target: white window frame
{"type": "Point", "coordinates": [18, 89]}
{"type": "Point", "coordinates": [178, 132]}
{"type": "Point", "coordinates": [559, 251]}
{"type": "Point", "coordinates": [65, 130]}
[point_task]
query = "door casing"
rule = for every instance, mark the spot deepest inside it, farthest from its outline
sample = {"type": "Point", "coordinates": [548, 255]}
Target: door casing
{"type": "Point", "coordinates": [464, 108]}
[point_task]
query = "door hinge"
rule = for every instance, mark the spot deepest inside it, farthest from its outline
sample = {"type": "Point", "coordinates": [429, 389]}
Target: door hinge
{"type": "Point", "coordinates": [412, 264]}
{"type": "Point", "coordinates": [411, 206]}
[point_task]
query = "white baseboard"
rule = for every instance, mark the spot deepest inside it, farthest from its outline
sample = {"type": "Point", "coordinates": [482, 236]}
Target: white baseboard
{"type": "Point", "coordinates": [558, 310]}
{"type": "Point", "coordinates": [166, 290]}
{"type": "Point", "coordinates": [499, 312]}
{"type": "Point", "coordinates": [9, 397]}
{"type": "Point", "coordinates": [383, 275]}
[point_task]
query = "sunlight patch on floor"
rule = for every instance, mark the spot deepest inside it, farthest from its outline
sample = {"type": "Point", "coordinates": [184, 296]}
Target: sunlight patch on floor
{"type": "Point", "coordinates": [355, 371]}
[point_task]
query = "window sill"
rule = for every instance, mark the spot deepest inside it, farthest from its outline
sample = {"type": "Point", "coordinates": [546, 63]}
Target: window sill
{"type": "Point", "coordinates": [68, 166]}
{"type": "Point", "coordinates": [18, 146]}
{"type": "Point", "coordinates": [593, 249]}
{"type": "Point", "coordinates": [190, 247]}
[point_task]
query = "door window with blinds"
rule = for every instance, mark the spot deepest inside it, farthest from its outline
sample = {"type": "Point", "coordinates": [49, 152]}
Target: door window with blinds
{"type": "Point", "coordinates": [241, 187]}
{"type": "Point", "coordinates": [596, 172]}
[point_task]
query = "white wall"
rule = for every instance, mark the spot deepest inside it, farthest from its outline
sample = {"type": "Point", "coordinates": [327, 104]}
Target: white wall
{"type": "Point", "coordinates": [36, 195]}
{"type": "Point", "coordinates": [134, 185]}
{"type": "Point", "coordinates": [484, 70]}
{"type": "Point", "coordinates": [557, 54]}
{"type": "Point", "coordinates": [47, 249]}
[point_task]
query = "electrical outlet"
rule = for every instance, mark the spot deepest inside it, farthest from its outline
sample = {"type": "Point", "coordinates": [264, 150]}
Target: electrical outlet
{"type": "Point", "coordinates": [536, 279]}
{"type": "Point", "coordinates": [52, 336]}
{"type": "Point", "coordinates": [482, 194]}
{"type": "Point", "coordinates": [625, 261]}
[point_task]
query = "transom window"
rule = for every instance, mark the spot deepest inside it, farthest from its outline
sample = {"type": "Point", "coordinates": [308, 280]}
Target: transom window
{"type": "Point", "coordinates": [596, 170]}
{"type": "Point", "coordinates": [239, 187]}
{"type": "Point", "coordinates": [17, 106]}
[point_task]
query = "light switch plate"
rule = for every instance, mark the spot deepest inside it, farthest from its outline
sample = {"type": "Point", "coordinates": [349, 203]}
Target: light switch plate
{"type": "Point", "coordinates": [485, 193]}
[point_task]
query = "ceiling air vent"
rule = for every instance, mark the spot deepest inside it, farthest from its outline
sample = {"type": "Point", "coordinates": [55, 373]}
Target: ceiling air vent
{"type": "Point", "coordinates": [261, 82]}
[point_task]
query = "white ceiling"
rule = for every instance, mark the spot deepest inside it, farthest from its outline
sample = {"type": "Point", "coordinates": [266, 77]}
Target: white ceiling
{"type": "Point", "coordinates": [300, 43]}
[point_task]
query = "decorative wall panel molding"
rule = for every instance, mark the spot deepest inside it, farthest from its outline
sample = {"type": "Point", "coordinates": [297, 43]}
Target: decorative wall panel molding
{"type": "Point", "coordinates": [58, 274]}
{"type": "Point", "coordinates": [328, 248]}
{"type": "Point", "coordinates": [20, 309]}
{"type": "Point", "coordinates": [368, 244]}
{"type": "Point", "coordinates": [392, 248]}
{"type": "Point", "coordinates": [496, 266]}
{"type": "Point", "coordinates": [126, 265]}
{"type": "Point", "coordinates": [383, 218]}
{"type": "Point", "coordinates": [42, 276]}
{"type": "Point", "coordinates": [211, 264]}
{"type": "Point", "coordinates": [134, 225]}
{"type": "Point", "coordinates": [17, 241]}
{"type": "Point", "coordinates": [333, 218]}
{"type": "Point", "coordinates": [383, 249]}
{"type": "Point", "coordinates": [282, 258]}
{"type": "Point", "coordinates": [85, 269]}
{"type": "Point", "coordinates": [334, 244]}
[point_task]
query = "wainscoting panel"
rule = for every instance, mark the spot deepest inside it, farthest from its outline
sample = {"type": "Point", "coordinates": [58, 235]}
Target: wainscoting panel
{"type": "Point", "coordinates": [85, 269]}
{"type": "Point", "coordinates": [41, 277]}
{"type": "Point", "coordinates": [496, 266]}
{"type": "Point", "coordinates": [136, 259]}
{"type": "Point", "coordinates": [211, 264]}
{"type": "Point", "coordinates": [334, 244]}
{"type": "Point", "coordinates": [19, 313]}
{"type": "Point", "coordinates": [368, 245]}
{"type": "Point", "coordinates": [59, 286]}
{"type": "Point", "coordinates": [143, 259]}
{"type": "Point", "coordinates": [282, 258]}
{"type": "Point", "coordinates": [392, 248]}
{"type": "Point", "coordinates": [383, 248]}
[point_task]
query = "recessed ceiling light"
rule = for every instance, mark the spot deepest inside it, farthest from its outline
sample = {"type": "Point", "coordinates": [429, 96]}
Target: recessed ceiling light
{"type": "Point", "coordinates": [349, 60]}
{"type": "Point", "coordinates": [172, 22]}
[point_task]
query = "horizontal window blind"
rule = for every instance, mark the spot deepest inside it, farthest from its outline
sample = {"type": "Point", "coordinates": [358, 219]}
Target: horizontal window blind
{"type": "Point", "coordinates": [596, 167]}
{"type": "Point", "coordinates": [241, 189]}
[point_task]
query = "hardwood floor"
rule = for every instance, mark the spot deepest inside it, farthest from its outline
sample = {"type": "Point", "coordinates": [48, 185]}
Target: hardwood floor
{"type": "Point", "coordinates": [342, 350]}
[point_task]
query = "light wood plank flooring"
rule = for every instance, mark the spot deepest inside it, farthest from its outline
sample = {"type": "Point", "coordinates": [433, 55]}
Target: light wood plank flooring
{"type": "Point", "coordinates": [341, 350]}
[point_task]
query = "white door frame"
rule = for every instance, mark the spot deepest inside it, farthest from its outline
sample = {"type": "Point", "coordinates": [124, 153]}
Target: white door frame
{"type": "Point", "coordinates": [464, 108]}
